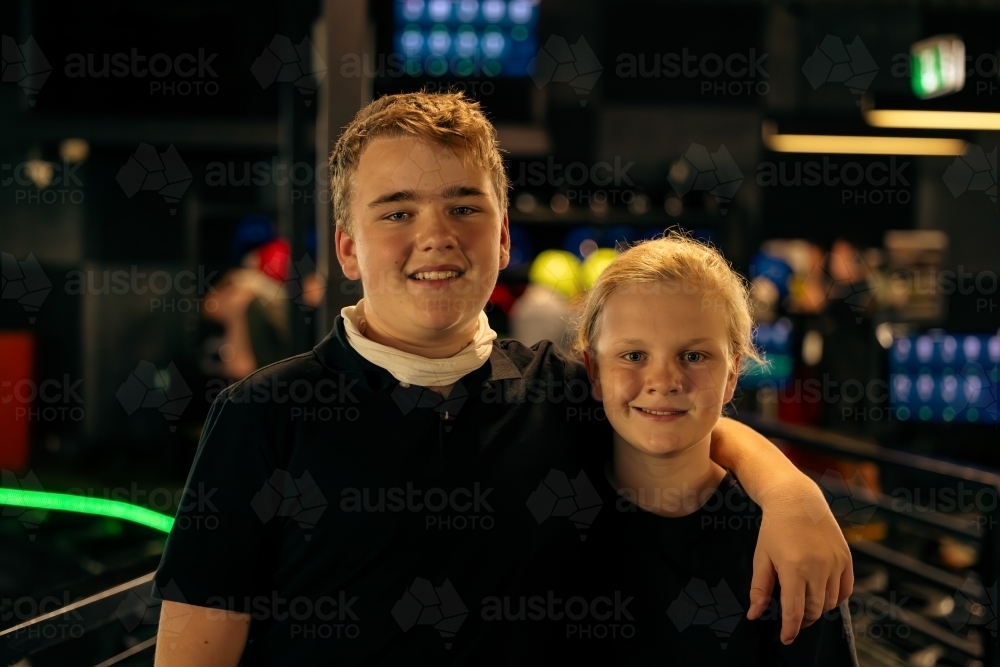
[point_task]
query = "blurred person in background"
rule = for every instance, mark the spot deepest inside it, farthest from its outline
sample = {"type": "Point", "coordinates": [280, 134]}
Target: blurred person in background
{"type": "Point", "coordinates": [848, 334]}
{"type": "Point", "coordinates": [311, 288]}
{"type": "Point", "coordinates": [838, 297]}
{"type": "Point", "coordinates": [251, 303]}
{"type": "Point", "coordinates": [770, 276]}
{"type": "Point", "coordinates": [545, 310]}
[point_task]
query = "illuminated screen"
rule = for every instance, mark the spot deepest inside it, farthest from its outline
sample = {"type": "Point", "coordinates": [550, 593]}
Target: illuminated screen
{"type": "Point", "coordinates": [775, 341]}
{"type": "Point", "coordinates": [944, 377]}
{"type": "Point", "coordinates": [465, 38]}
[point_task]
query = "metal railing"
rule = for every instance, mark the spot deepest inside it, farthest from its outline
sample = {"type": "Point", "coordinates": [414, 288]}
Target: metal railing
{"type": "Point", "coordinates": [959, 628]}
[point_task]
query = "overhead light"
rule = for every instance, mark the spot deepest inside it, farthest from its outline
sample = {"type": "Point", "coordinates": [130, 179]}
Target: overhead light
{"type": "Point", "coordinates": [74, 150]}
{"type": "Point", "coordinates": [639, 204]}
{"type": "Point", "coordinates": [859, 145]}
{"type": "Point", "coordinates": [40, 172]}
{"type": "Point", "coordinates": [883, 334]}
{"type": "Point", "coordinates": [526, 202]}
{"type": "Point", "coordinates": [673, 206]}
{"type": "Point", "coordinates": [559, 203]}
{"type": "Point", "coordinates": [933, 120]}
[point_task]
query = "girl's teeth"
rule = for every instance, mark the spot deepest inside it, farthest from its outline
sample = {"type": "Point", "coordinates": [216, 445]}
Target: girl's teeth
{"type": "Point", "coordinates": [435, 275]}
{"type": "Point", "coordinates": [654, 412]}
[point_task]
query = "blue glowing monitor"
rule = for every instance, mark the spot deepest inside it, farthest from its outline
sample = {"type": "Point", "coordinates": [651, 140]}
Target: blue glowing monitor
{"type": "Point", "coordinates": [774, 340]}
{"type": "Point", "coordinates": [944, 377]}
{"type": "Point", "coordinates": [465, 38]}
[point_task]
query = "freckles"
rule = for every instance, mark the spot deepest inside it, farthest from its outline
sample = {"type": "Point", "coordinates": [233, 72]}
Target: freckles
{"type": "Point", "coordinates": [709, 397]}
{"type": "Point", "coordinates": [623, 386]}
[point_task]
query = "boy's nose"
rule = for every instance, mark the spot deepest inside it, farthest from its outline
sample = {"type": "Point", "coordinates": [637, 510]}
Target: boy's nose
{"type": "Point", "coordinates": [435, 233]}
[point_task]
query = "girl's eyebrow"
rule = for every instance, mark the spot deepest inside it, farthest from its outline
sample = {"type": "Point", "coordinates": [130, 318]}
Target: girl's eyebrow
{"type": "Point", "coordinates": [704, 339]}
{"type": "Point", "coordinates": [637, 341]}
{"type": "Point", "coordinates": [627, 341]}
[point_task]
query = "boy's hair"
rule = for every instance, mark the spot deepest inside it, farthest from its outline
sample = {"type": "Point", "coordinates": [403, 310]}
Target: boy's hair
{"type": "Point", "coordinates": [680, 260]}
{"type": "Point", "coordinates": [447, 119]}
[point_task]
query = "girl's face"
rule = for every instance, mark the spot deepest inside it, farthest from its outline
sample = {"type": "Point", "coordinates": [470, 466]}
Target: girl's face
{"type": "Point", "coordinates": [662, 365]}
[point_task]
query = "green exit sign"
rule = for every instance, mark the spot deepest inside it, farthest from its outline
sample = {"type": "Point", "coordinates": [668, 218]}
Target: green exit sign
{"type": "Point", "coordinates": [937, 66]}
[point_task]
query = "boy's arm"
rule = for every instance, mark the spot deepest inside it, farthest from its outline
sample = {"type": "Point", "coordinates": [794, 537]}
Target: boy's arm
{"type": "Point", "coordinates": [191, 636]}
{"type": "Point", "coordinates": [799, 540]}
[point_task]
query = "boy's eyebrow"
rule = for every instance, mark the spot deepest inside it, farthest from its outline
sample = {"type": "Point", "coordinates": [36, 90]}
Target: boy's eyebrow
{"type": "Point", "coordinates": [392, 197]}
{"type": "Point", "coordinates": [450, 192]}
{"type": "Point", "coordinates": [458, 191]}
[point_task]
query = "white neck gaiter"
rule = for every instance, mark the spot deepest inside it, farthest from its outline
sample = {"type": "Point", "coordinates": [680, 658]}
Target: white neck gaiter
{"type": "Point", "coordinates": [414, 369]}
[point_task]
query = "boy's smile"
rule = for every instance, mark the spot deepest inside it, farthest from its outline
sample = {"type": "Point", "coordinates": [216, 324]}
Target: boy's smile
{"type": "Point", "coordinates": [428, 243]}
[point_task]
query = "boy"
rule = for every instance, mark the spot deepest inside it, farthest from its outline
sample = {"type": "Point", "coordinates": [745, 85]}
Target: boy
{"type": "Point", "coordinates": [371, 494]}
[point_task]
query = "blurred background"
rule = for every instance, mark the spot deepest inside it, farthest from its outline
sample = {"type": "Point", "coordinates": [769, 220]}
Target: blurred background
{"type": "Point", "coordinates": [165, 230]}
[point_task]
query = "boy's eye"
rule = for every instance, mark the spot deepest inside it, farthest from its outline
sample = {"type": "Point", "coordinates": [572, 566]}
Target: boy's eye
{"type": "Point", "coordinates": [632, 356]}
{"type": "Point", "coordinates": [392, 216]}
{"type": "Point", "coordinates": [693, 357]}
{"type": "Point", "coordinates": [464, 210]}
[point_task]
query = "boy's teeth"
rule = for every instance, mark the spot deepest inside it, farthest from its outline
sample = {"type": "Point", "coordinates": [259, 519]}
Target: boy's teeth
{"type": "Point", "coordinates": [435, 275]}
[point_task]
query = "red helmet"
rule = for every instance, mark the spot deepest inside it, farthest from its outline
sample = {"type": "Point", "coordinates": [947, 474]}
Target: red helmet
{"type": "Point", "coordinates": [274, 259]}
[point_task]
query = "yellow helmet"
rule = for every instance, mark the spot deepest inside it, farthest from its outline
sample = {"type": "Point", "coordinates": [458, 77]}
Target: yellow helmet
{"type": "Point", "coordinates": [595, 264]}
{"type": "Point", "coordinates": [559, 270]}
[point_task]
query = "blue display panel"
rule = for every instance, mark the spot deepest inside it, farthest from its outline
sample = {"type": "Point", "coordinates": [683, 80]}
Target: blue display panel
{"type": "Point", "coordinates": [465, 38]}
{"type": "Point", "coordinates": [774, 340]}
{"type": "Point", "coordinates": [944, 377]}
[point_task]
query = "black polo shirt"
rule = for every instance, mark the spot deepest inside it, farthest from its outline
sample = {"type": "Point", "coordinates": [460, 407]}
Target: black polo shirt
{"type": "Point", "coordinates": [689, 578]}
{"type": "Point", "coordinates": [358, 520]}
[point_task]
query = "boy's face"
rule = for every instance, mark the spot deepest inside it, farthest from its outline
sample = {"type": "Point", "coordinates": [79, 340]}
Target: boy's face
{"type": "Point", "coordinates": [662, 348]}
{"type": "Point", "coordinates": [428, 238]}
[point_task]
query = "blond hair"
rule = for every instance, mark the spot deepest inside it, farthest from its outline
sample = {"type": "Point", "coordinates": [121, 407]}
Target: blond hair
{"type": "Point", "coordinates": [680, 260]}
{"type": "Point", "coordinates": [446, 119]}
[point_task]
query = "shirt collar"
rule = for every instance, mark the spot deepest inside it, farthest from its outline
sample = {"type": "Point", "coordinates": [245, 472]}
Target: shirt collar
{"type": "Point", "coordinates": [336, 354]}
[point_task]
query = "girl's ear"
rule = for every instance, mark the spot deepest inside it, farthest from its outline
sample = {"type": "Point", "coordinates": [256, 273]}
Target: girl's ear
{"type": "Point", "coordinates": [734, 375]}
{"type": "Point", "coordinates": [593, 374]}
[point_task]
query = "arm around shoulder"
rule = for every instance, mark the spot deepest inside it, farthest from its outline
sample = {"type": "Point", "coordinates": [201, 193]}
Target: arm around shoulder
{"type": "Point", "coordinates": [800, 543]}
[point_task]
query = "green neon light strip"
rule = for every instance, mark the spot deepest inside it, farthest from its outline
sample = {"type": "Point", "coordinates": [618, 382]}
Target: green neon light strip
{"type": "Point", "coordinates": [44, 500]}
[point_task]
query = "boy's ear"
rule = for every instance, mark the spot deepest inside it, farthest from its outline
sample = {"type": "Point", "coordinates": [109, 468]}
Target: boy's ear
{"type": "Point", "coordinates": [731, 379]}
{"type": "Point", "coordinates": [504, 243]}
{"type": "Point", "coordinates": [347, 254]}
{"type": "Point", "coordinates": [593, 374]}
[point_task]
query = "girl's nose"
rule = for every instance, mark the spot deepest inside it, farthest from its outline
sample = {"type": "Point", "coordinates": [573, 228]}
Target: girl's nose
{"type": "Point", "coordinates": [665, 378]}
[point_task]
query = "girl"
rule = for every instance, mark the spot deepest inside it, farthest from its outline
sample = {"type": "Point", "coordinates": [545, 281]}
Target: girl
{"type": "Point", "coordinates": [664, 333]}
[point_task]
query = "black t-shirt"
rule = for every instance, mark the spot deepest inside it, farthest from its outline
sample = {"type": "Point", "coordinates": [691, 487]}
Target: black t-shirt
{"type": "Point", "coordinates": [686, 581]}
{"type": "Point", "coordinates": [360, 521]}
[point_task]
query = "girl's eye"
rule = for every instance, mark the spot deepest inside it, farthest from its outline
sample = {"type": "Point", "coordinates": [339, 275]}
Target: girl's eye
{"type": "Point", "coordinates": [632, 356]}
{"type": "Point", "coordinates": [693, 357]}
